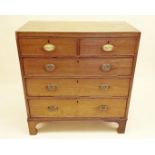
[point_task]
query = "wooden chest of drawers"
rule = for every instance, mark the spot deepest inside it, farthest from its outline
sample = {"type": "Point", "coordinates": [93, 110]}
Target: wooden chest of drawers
{"type": "Point", "coordinates": [77, 70]}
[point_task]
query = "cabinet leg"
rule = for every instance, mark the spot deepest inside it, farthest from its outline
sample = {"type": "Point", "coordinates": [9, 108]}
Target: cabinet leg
{"type": "Point", "coordinates": [32, 127]}
{"type": "Point", "coordinates": [122, 125]}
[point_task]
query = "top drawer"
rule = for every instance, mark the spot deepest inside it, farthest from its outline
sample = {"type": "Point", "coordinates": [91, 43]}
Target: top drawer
{"type": "Point", "coordinates": [48, 47]}
{"type": "Point", "coordinates": [107, 46]}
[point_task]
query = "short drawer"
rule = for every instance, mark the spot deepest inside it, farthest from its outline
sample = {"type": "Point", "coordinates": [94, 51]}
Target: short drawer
{"type": "Point", "coordinates": [48, 47]}
{"type": "Point", "coordinates": [77, 87]}
{"type": "Point", "coordinates": [107, 46]}
{"type": "Point", "coordinates": [74, 67]}
{"type": "Point", "coordinates": [77, 108]}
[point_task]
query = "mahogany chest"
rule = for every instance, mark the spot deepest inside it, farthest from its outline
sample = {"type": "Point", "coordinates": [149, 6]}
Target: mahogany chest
{"type": "Point", "coordinates": [77, 70]}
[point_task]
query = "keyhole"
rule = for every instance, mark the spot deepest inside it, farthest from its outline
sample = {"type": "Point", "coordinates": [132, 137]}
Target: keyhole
{"type": "Point", "coordinates": [78, 61]}
{"type": "Point", "coordinates": [108, 42]}
{"type": "Point", "coordinates": [48, 41]}
{"type": "Point", "coordinates": [77, 101]}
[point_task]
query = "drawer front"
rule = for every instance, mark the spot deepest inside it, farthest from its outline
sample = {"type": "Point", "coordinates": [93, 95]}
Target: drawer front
{"type": "Point", "coordinates": [48, 47]}
{"type": "Point", "coordinates": [103, 87]}
{"type": "Point", "coordinates": [73, 67]}
{"type": "Point", "coordinates": [82, 108]}
{"type": "Point", "coordinates": [77, 87]}
{"type": "Point", "coordinates": [51, 87]}
{"type": "Point", "coordinates": [100, 46]}
{"type": "Point", "coordinates": [105, 67]}
{"type": "Point", "coordinates": [50, 67]}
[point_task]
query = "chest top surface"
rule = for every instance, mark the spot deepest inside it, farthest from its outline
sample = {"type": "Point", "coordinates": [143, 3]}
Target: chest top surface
{"type": "Point", "coordinates": [77, 26]}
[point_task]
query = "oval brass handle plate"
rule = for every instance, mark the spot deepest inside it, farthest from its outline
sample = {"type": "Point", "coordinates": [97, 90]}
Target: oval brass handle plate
{"type": "Point", "coordinates": [103, 107]}
{"type": "Point", "coordinates": [51, 87]}
{"type": "Point", "coordinates": [52, 108]}
{"type": "Point", "coordinates": [108, 47]}
{"type": "Point", "coordinates": [106, 67]}
{"type": "Point", "coordinates": [49, 47]}
{"type": "Point", "coordinates": [104, 86]}
{"type": "Point", "coordinates": [49, 67]}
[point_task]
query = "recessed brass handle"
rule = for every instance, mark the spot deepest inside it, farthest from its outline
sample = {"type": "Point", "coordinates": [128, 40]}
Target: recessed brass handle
{"type": "Point", "coordinates": [52, 108]}
{"type": "Point", "coordinates": [49, 67]}
{"type": "Point", "coordinates": [49, 47]}
{"type": "Point", "coordinates": [108, 47]}
{"type": "Point", "coordinates": [51, 87]}
{"type": "Point", "coordinates": [106, 67]}
{"type": "Point", "coordinates": [104, 86]}
{"type": "Point", "coordinates": [103, 107]}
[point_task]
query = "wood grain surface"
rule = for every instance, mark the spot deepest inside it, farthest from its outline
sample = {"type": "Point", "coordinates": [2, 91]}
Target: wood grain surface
{"type": "Point", "coordinates": [63, 46]}
{"type": "Point", "coordinates": [78, 87]}
{"type": "Point", "coordinates": [93, 46]}
{"type": "Point", "coordinates": [76, 67]}
{"type": "Point", "coordinates": [77, 108]}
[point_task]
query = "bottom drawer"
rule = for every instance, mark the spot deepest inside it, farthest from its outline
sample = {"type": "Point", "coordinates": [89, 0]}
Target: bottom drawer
{"type": "Point", "coordinates": [77, 108]}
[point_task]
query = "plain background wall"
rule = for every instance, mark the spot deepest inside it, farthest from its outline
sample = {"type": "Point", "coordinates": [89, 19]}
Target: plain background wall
{"type": "Point", "coordinates": [141, 123]}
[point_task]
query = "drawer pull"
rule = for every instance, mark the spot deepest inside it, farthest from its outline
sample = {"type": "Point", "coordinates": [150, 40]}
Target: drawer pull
{"type": "Point", "coordinates": [52, 108]}
{"type": "Point", "coordinates": [106, 67]}
{"type": "Point", "coordinates": [107, 48]}
{"type": "Point", "coordinates": [49, 47]}
{"type": "Point", "coordinates": [103, 107]}
{"type": "Point", "coordinates": [51, 87]}
{"type": "Point", "coordinates": [49, 67]}
{"type": "Point", "coordinates": [104, 86]}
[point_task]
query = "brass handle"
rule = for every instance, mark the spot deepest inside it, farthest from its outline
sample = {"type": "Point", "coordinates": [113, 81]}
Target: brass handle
{"type": "Point", "coordinates": [49, 47]}
{"type": "Point", "coordinates": [49, 67]}
{"type": "Point", "coordinates": [106, 67]}
{"type": "Point", "coordinates": [52, 108]}
{"type": "Point", "coordinates": [51, 87]}
{"type": "Point", "coordinates": [103, 107]}
{"type": "Point", "coordinates": [108, 47]}
{"type": "Point", "coordinates": [104, 86]}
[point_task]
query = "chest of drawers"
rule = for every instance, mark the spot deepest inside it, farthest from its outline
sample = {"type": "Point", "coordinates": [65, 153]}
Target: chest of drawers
{"type": "Point", "coordinates": [77, 70]}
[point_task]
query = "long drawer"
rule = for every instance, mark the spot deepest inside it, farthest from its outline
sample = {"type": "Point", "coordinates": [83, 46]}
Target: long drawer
{"type": "Point", "coordinates": [77, 87]}
{"type": "Point", "coordinates": [77, 108]}
{"type": "Point", "coordinates": [77, 67]}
